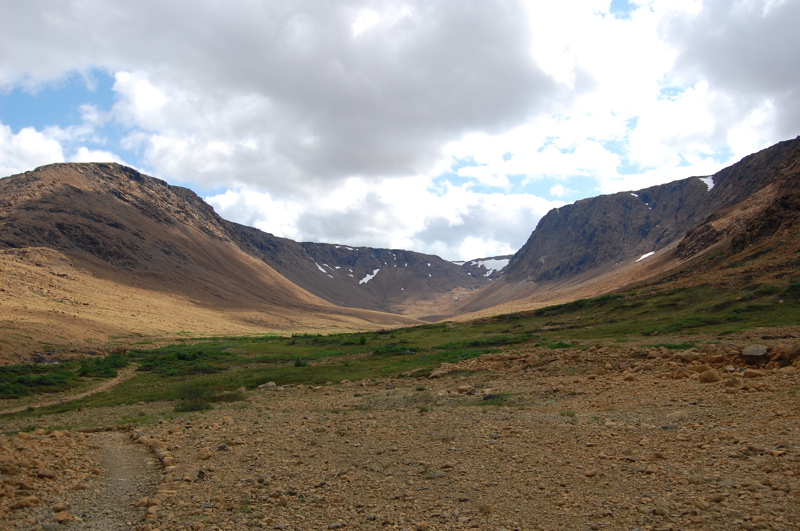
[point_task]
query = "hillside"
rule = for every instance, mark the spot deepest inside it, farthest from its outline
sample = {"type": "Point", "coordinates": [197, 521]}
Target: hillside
{"type": "Point", "coordinates": [390, 280]}
{"type": "Point", "coordinates": [93, 253]}
{"type": "Point", "coordinates": [605, 243]}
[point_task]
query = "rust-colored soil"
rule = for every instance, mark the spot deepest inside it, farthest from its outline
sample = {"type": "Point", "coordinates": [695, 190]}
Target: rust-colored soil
{"type": "Point", "coordinates": [610, 437]}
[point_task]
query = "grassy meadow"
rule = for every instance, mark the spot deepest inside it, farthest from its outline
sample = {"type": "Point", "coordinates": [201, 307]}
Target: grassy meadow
{"type": "Point", "coordinates": [195, 373]}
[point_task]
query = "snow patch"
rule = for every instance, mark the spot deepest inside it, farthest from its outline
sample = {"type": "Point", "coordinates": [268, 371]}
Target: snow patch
{"type": "Point", "coordinates": [634, 195]}
{"type": "Point", "coordinates": [320, 268]}
{"type": "Point", "coordinates": [646, 256]}
{"type": "Point", "coordinates": [492, 265]}
{"type": "Point", "coordinates": [709, 181]}
{"type": "Point", "coordinates": [369, 277]}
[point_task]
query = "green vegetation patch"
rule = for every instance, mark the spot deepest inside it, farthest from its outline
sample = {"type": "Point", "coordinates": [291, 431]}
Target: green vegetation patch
{"type": "Point", "coordinates": [199, 372]}
{"type": "Point", "coordinates": [17, 381]}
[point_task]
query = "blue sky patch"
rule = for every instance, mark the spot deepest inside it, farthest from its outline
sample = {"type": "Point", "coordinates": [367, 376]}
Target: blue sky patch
{"type": "Point", "coordinates": [622, 9]}
{"type": "Point", "coordinates": [57, 103]}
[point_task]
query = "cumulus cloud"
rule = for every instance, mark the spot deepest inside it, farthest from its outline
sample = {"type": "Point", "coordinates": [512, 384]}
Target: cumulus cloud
{"type": "Point", "coordinates": [84, 154]}
{"type": "Point", "coordinates": [319, 91]}
{"type": "Point", "coordinates": [340, 121]}
{"type": "Point", "coordinates": [747, 51]}
{"type": "Point", "coordinates": [26, 150]}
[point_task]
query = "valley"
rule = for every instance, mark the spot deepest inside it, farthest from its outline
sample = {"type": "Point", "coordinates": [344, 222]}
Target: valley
{"type": "Point", "coordinates": [634, 366]}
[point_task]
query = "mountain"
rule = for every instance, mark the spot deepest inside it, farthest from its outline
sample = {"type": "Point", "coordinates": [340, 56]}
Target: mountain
{"type": "Point", "coordinates": [606, 242]}
{"type": "Point", "coordinates": [600, 232]}
{"type": "Point", "coordinates": [99, 254]}
{"type": "Point", "coordinates": [391, 280]}
{"type": "Point", "coordinates": [66, 227]}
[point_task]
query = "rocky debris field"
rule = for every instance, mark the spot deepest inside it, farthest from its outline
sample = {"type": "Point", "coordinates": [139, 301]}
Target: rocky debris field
{"type": "Point", "coordinates": [605, 437]}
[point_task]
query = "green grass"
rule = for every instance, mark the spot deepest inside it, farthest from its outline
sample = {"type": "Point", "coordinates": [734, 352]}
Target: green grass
{"type": "Point", "coordinates": [17, 381]}
{"type": "Point", "coordinates": [216, 367]}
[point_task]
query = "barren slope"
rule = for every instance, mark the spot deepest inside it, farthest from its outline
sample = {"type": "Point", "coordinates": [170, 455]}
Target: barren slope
{"type": "Point", "coordinates": [96, 253]}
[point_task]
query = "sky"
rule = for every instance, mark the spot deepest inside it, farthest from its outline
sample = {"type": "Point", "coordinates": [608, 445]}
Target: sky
{"type": "Point", "coordinates": [448, 127]}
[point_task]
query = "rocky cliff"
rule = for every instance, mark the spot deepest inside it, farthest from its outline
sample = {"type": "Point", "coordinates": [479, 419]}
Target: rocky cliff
{"type": "Point", "coordinates": [599, 233]}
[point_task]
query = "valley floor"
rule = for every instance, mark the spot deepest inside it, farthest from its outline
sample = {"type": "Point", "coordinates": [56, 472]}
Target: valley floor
{"type": "Point", "coordinates": [609, 437]}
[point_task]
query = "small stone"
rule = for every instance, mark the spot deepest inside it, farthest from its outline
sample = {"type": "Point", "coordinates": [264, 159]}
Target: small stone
{"type": "Point", "coordinates": [677, 416]}
{"type": "Point", "coordinates": [63, 517]}
{"type": "Point", "coordinates": [688, 356]}
{"type": "Point", "coordinates": [732, 381]}
{"type": "Point", "coordinates": [60, 507]}
{"type": "Point", "coordinates": [753, 373]}
{"type": "Point", "coordinates": [700, 368]}
{"type": "Point", "coordinates": [27, 501]}
{"type": "Point", "coordinates": [755, 351]}
{"type": "Point", "coordinates": [45, 473]}
{"type": "Point", "coordinates": [709, 376]}
{"type": "Point", "coordinates": [681, 373]}
{"type": "Point", "coordinates": [465, 389]}
{"type": "Point", "coordinates": [205, 453]}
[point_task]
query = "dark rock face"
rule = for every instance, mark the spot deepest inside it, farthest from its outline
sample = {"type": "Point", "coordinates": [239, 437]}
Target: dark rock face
{"type": "Point", "coordinates": [600, 232]}
{"type": "Point", "coordinates": [358, 277]}
{"type": "Point", "coordinates": [605, 230]}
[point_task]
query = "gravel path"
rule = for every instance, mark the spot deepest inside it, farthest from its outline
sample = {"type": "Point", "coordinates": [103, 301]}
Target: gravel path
{"type": "Point", "coordinates": [130, 473]}
{"type": "Point", "coordinates": [121, 474]}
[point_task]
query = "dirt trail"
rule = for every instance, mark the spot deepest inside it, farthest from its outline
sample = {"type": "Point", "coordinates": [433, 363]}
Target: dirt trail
{"type": "Point", "coordinates": [124, 374]}
{"type": "Point", "coordinates": [130, 473]}
{"type": "Point", "coordinates": [126, 473]}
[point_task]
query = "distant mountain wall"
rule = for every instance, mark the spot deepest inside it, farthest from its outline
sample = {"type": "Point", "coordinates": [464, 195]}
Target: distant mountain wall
{"type": "Point", "coordinates": [601, 232]}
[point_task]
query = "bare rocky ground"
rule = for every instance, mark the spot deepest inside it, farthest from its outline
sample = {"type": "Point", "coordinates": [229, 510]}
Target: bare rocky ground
{"type": "Point", "coordinates": [609, 437]}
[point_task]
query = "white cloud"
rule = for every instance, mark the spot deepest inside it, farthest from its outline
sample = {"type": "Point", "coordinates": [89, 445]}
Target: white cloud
{"type": "Point", "coordinates": [333, 121]}
{"type": "Point", "coordinates": [559, 190]}
{"type": "Point", "coordinates": [26, 150]}
{"type": "Point", "coordinates": [84, 154]}
{"type": "Point", "coordinates": [453, 222]}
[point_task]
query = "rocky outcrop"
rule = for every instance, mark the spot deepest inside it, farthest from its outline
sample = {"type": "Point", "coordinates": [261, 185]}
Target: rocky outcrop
{"type": "Point", "coordinates": [601, 232]}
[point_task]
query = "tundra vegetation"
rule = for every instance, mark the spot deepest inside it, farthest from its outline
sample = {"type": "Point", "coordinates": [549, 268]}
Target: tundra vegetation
{"type": "Point", "coordinates": [197, 372]}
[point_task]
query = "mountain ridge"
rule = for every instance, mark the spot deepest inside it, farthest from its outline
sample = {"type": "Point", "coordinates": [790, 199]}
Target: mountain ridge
{"type": "Point", "coordinates": [111, 228]}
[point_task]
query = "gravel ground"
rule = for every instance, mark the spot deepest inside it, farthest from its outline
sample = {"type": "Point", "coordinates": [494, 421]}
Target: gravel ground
{"type": "Point", "coordinates": [600, 438]}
